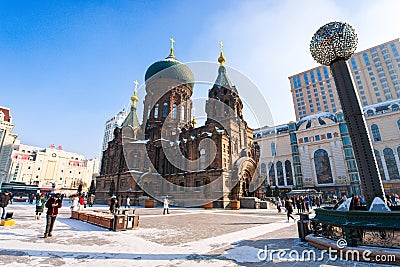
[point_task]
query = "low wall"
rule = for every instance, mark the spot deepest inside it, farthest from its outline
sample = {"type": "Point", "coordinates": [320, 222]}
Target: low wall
{"type": "Point", "coordinates": [380, 229]}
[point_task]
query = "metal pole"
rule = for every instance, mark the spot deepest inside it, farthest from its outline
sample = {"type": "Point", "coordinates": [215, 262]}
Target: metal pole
{"type": "Point", "coordinates": [370, 178]}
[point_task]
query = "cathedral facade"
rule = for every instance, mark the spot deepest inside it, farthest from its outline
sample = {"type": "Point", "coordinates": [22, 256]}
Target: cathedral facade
{"type": "Point", "coordinates": [167, 155]}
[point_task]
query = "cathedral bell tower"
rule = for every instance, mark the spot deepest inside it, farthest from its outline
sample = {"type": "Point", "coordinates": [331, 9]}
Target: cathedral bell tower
{"type": "Point", "coordinates": [167, 105]}
{"type": "Point", "coordinates": [223, 102]}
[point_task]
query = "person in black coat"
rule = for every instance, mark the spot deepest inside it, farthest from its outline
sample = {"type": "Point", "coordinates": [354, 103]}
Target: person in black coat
{"type": "Point", "coordinates": [4, 200]}
{"type": "Point", "coordinates": [289, 209]}
{"type": "Point", "coordinates": [113, 204]}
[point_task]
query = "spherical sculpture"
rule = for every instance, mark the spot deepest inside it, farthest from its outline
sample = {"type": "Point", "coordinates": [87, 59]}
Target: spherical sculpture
{"type": "Point", "coordinates": [333, 41]}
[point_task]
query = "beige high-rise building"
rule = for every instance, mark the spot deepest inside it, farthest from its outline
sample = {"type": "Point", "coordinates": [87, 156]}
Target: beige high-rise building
{"type": "Point", "coordinates": [375, 73]}
{"type": "Point", "coordinates": [47, 166]}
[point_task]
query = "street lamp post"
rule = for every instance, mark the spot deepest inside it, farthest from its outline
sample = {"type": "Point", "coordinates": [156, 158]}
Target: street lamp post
{"type": "Point", "coordinates": [332, 45]}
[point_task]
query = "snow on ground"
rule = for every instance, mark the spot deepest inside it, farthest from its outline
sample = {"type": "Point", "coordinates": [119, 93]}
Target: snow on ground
{"type": "Point", "coordinates": [186, 237]}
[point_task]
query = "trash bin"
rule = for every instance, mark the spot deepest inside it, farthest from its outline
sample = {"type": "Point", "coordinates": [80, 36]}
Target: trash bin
{"type": "Point", "coordinates": [303, 226]}
{"type": "Point", "coordinates": [129, 221]}
{"type": "Point", "coordinates": [119, 222]}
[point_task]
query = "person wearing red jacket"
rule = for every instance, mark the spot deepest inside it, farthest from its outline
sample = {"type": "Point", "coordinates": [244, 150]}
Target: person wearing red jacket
{"type": "Point", "coordinates": [52, 205]}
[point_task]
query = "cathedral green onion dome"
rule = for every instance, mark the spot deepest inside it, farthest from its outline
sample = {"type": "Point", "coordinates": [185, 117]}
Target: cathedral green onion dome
{"type": "Point", "coordinates": [170, 68]}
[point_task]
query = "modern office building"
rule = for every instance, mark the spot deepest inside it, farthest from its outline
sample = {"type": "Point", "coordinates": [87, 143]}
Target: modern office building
{"type": "Point", "coordinates": [375, 73]}
{"type": "Point", "coordinates": [112, 123]}
{"type": "Point", "coordinates": [7, 139]}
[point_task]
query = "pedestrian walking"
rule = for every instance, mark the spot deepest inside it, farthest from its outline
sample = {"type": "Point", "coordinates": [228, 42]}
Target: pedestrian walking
{"type": "Point", "coordinates": [75, 203]}
{"type": "Point", "coordinates": [113, 204]}
{"type": "Point", "coordinates": [166, 205]}
{"type": "Point", "coordinates": [40, 201]}
{"type": "Point", "coordinates": [4, 200]}
{"type": "Point", "coordinates": [52, 205]}
{"type": "Point", "coordinates": [128, 202]}
{"type": "Point", "coordinates": [278, 205]}
{"type": "Point", "coordinates": [289, 210]}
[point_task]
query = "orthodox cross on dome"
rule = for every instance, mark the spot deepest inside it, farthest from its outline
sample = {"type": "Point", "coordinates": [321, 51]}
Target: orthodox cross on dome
{"type": "Point", "coordinates": [221, 58]}
{"type": "Point", "coordinates": [171, 54]}
{"type": "Point", "coordinates": [134, 98]}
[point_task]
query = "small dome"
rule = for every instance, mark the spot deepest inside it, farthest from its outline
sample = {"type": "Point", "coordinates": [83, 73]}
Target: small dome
{"type": "Point", "coordinates": [172, 69]}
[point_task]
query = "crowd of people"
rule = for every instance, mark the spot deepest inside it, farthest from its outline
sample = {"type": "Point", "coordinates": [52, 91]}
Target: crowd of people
{"type": "Point", "coordinates": [301, 203]}
{"type": "Point", "coordinates": [393, 200]}
{"type": "Point", "coordinates": [117, 202]}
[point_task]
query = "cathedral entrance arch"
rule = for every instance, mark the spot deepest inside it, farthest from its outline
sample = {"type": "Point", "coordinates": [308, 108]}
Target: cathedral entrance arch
{"type": "Point", "coordinates": [243, 176]}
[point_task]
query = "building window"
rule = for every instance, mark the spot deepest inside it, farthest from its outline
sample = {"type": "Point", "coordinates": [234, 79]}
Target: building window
{"type": "Point", "coordinates": [312, 76]}
{"type": "Point", "coordinates": [271, 173]}
{"type": "Point", "coordinates": [379, 162]}
{"type": "Point", "coordinates": [391, 164]}
{"type": "Point", "coordinates": [279, 173]}
{"type": "Point", "coordinates": [322, 167]}
{"type": "Point", "coordinates": [366, 59]}
{"type": "Point", "coordinates": [165, 110]}
{"type": "Point", "coordinates": [156, 111]}
{"type": "Point", "coordinates": [319, 75]}
{"type": "Point", "coordinates": [202, 159]}
{"type": "Point", "coordinates": [263, 168]}
{"type": "Point", "coordinates": [289, 173]}
{"type": "Point", "coordinates": [174, 111]}
{"type": "Point", "coordinates": [326, 74]}
{"type": "Point", "coordinates": [273, 149]}
{"type": "Point", "coordinates": [305, 78]}
{"type": "Point", "coordinates": [376, 135]}
{"type": "Point", "coordinates": [353, 63]}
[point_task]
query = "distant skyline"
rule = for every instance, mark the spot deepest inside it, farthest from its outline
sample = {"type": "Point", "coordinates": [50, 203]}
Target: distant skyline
{"type": "Point", "coordinates": [68, 66]}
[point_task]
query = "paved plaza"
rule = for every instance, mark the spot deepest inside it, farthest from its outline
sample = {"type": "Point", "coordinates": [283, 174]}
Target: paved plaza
{"type": "Point", "coordinates": [186, 237]}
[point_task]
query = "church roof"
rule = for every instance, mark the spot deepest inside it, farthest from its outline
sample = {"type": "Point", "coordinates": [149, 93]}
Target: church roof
{"type": "Point", "coordinates": [132, 119]}
{"type": "Point", "coordinates": [170, 68]}
{"type": "Point", "coordinates": [222, 79]}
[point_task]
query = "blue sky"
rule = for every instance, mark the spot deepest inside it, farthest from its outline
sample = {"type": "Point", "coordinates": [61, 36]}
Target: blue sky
{"type": "Point", "coordinates": [67, 66]}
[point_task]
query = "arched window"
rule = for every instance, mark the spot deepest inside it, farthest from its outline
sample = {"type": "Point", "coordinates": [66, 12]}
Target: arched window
{"type": "Point", "coordinates": [263, 168]}
{"type": "Point", "coordinates": [391, 163]}
{"type": "Point", "coordinates": [271, 173]}
{"type": "Point", "coordinates": [322, 167]}
{"type": "Point", "coordinates": [370, 112]}
{"type": "Point", "coordinates": [398, 124]}
{"type": "Point", "coordinates": [156, 111]}
{"type": "Point", "coordinates": [182, 113]}
{"type": "Point", "coordinates": [148, 112]}
{"type": "Point", "coordinates": [289, 173]}
{"type": "Point", "coordinates": [376, 135]}
{"type": "Point", "coordinates": [202, 159]}
{"type": "Point", "coordinates": [165, 110]}
{"type": "Point", "coordinates": [379, 161]}
{"type": "Point", "coordinates": [279, 173]}
{"type": "Point", "coordinates": [174, 111]}
{"type": "Point", "coordinates": [273, 149]}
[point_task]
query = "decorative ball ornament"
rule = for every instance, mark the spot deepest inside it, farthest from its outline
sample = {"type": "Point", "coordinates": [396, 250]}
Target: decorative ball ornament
{"type": "Point", "coordinates": [333, 41]}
